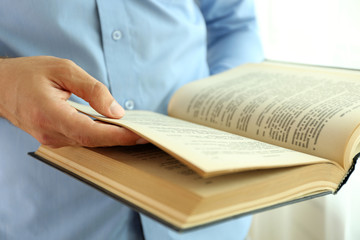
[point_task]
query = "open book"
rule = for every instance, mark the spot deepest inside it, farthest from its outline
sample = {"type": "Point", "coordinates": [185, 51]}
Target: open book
{"type": "Point", "coordinates": [254, 137]}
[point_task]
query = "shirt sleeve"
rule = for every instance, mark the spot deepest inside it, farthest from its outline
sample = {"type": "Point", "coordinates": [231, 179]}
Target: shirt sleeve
{"type": "Point", "coordinates": [232, 33]}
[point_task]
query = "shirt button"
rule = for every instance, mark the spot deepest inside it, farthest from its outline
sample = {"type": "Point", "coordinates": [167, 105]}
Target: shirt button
{"type": "Point", "coordinates": [116, 35]}
{"type": "Point", "coordinates": [129, 104]}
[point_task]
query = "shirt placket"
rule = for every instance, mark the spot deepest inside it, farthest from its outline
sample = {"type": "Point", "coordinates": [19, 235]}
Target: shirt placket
{"type": "Point", "coordinates": [118, 54]}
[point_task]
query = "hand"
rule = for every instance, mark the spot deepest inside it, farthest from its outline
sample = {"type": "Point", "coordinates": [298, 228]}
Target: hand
{"type": "Point", "coordinates": [33, 96]}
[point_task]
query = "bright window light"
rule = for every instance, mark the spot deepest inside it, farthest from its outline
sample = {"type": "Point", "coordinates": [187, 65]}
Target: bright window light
{"type": "Point", "coordinates": [320, 32]}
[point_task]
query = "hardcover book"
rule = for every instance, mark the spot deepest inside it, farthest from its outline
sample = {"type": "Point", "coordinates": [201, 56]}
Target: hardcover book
{"type": "Point", "coordinates": [246, 140]}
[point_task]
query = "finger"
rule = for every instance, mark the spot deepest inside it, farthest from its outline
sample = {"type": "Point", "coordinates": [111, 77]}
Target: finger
{"type": "Point", "coordinates": [87, 132]}
{"type": "Point", "coordinates": [53, 139]}
{"type": "Point", "coordinates": [98, 134]}
{"type": "Point", "coordinates": [139, 141]}
{"type": "Point", "coordinates": [76, 80]}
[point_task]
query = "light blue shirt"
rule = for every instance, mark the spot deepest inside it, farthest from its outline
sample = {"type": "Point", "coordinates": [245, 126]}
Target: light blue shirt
{"type": "Point", "coordinates": [143, 50]}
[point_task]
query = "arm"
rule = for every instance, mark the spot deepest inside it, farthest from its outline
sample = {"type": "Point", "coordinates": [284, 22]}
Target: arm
{"type": "Point", "coordinates": [232, 33]}
{"type": "Point", "coordinates": [33, 97]}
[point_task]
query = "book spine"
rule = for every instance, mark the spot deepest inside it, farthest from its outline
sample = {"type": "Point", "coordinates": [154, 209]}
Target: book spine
{"type": "Point", "coordinates": [347, 176]}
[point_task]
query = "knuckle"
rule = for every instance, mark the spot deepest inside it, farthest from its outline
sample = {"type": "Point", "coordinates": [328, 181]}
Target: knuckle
{"type": "Point", "coordinates": [39, 120]}
{"type": "Point", "coordinates": [41, 124]}
{"type": "Point", "coordinates": [66, 62]}
{"type": "Point", "coordinates": [85, 141]}
{"type": "Point", "coordinates": [45, 139]}
{"type": "Point", "coordinates": [65, 68]}
{"type": "Point", "coordinates": [97, 89]}
{"type": "Point", "coordinates": [125, 137]}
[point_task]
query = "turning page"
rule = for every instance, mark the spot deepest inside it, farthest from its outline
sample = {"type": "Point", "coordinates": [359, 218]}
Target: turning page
{"type": "Point", "coordinates": [206, 150]}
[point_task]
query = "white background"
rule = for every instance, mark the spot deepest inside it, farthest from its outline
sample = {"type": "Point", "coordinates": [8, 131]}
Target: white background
{"type": "Point", "coordinates": [322, 32]}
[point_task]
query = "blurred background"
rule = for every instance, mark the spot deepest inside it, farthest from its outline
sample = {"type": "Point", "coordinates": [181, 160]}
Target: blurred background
{"type": "Point", "coordinates": [319, 32]}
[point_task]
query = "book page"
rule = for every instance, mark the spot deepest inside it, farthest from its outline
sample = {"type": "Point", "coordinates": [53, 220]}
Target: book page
{"type": "Point", "coordinates": [152, 160]}
{"type": "Point", "coordinates": [206, 150]}
{"type": "Point", "coordinates": [301, 108]}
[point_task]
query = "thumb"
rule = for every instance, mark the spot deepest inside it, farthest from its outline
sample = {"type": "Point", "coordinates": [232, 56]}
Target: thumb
{"type": "Point", "coordinates": [91, 90]}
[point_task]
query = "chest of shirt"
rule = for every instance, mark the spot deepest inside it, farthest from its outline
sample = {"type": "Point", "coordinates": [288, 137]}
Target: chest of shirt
{"type": "Point", "coordinates": [138, 48]}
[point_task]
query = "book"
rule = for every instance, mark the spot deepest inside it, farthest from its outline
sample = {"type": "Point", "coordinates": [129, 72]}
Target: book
{"type": "Point", "coordinates": [246, 140]}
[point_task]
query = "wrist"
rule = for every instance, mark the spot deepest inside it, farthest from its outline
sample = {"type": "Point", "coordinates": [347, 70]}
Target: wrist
{"type": "Point", "coordinates": [2, 58]}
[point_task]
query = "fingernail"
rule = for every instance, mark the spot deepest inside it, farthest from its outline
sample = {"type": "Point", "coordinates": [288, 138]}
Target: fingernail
{"type": "Point", "coordinates": [142, 141]}
{"type": "Point", "coordinates": [116, 110]}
